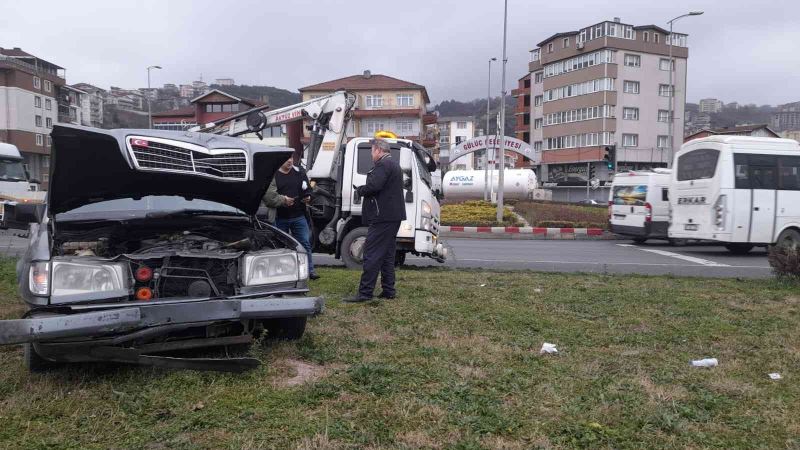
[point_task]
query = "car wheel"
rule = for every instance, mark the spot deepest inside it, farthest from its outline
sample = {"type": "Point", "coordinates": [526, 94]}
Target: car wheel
{"type": "Point", "coordinates": [789, 239]}
{"type": "Point", "coordinates": [739, 249]}
{"type": "Point", "coordinates": [399, 259]}
{"type": "Point", "coordinates": [35, 363]}
{"type": "Point", "coordinates": [353, 248]}
{"type": "Point", "coordinates": [288, 329]}
{"type": "Point", "coordinates": [639, 241]}
{"type": "Point", "coordinates": [677, 242]}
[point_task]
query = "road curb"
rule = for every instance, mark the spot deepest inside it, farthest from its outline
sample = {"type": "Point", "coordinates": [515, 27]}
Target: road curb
{"type": "Point", "coordinates": [525, 233]}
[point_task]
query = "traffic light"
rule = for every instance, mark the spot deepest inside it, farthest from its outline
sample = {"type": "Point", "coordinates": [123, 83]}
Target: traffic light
{"type": "Point", "coordinates": [610, 156]}
{"type": "Point", "coordinates": [591, 171]}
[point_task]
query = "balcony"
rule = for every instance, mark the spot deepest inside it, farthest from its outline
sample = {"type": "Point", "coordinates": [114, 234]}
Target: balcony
{"type": "Point", "coordinates": [522, 109]}
{"type": "Point", "coordinates": [520, 91]}
{"type": "Point", "coordinates": [17, 64]}
{"type": "Point", "coordinates": [429, 119]}
{"type": "Point", "coordinates": [522, 127]}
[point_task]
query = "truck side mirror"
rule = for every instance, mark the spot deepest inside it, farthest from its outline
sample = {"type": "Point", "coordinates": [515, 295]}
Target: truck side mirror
{"type": "Point", "coordinates": [405, 160]}
{"type": "Point", "coordinates": [407, 182]}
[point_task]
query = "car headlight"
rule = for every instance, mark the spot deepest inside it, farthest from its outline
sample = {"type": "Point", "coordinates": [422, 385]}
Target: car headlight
{"type": "Point", "coordinates": [426, 209]}
{"type": "Point", "coordinates": [70, 279]}
{"type": "Point", "coordinates": [274, 266]}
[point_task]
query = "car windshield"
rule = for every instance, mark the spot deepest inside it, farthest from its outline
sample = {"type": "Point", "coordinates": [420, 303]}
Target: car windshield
{"type": "Point", "coordinates": [12, 170]}
{"type": "Point", "coordinates": [146, 206]}
{"type": "Point", "coordinates": [635, 195]}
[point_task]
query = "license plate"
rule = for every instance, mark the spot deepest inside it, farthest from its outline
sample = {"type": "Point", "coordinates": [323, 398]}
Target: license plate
{"type": "Point", "coordinates": [691, 227]}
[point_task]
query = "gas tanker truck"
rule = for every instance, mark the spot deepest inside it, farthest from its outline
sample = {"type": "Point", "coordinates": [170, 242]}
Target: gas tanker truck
{"type": "Point", "coordinates": [518, 184]}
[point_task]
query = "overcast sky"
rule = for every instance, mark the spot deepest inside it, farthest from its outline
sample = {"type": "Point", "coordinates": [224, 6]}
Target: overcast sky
{"type": "Point", "coordinates": [739, 50]}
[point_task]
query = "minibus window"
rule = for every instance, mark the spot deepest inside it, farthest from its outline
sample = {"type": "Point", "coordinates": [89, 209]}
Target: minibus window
{"type": "Point", "coordinates": [763, 170]}
{"type": "Point", "coordinates": [697, 164]}
{"type": "Point", "coordinates": [789, 173]}
{"type": "Point", "coordinates": [741, 170]}
{"type": "Point", "coordinates": [664, 194]}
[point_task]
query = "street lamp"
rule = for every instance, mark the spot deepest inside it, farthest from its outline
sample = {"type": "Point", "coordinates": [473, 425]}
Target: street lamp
{"type": "Point", "coordinates": [486, 134]}
{"type": "Point", "coordinates": [502, 128]}
{"type": "Point", "coordinates": [149, 110]}
{"type": "Point", "coordinates": [672, 88]}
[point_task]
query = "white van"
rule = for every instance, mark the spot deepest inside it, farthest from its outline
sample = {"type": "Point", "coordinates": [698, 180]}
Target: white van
{"type": "Point", "coordinates": [638, 204]}
{"type": "Point", "coordinates": [737, 190]}
{"type": "Point", "coordinates": [16, 190]}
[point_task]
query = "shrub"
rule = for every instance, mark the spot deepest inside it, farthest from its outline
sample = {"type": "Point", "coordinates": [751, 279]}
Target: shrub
{"type": "Point", "coordinates": [561, 215]}
{"type": "Point", "coordinates": [785, 262]}
{"type": "Point", "coordinates": [476, 213]}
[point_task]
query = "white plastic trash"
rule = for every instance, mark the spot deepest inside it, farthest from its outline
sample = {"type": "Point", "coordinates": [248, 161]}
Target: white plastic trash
{"type": "Point", "coordinates": [548, 348]}
{"type": "Point", "coordinates": [775, 376]}
{"type": "Point", "coordinates": [707, 362]}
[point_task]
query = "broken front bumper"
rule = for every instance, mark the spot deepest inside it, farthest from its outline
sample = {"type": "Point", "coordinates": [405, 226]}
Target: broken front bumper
{"type": "Point", "coordinates": [90, 321]}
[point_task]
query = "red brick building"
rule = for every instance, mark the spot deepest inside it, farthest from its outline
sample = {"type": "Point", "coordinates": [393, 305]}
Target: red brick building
{"type": "Point", "coordinates": [205, 108]}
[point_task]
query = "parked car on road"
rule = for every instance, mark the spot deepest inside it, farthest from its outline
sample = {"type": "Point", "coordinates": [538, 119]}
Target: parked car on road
{"type": "Point", "coordinates": [148, 243]}
{"type": "Point", "coordinates": [638, 204]}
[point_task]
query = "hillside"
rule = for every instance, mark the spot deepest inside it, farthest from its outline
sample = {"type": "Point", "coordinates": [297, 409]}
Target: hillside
{"type": "Point", "coordinates": [477, 109]}
{"type": "Point", "coordinates": [275, 97]}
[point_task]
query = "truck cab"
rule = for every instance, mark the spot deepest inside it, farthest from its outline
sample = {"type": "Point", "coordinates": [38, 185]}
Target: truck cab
{"type": "Point", "coordinates": [17, 191]}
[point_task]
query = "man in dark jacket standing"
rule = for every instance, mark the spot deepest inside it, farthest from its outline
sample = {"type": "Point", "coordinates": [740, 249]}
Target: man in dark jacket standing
{"type": "Point", "coordinates": [383, 209]}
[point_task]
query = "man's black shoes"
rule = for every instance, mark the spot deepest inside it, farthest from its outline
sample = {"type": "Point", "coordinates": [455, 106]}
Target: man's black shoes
{"type": "Point", "coordinates": [386, 296]}
{"type": "Point", "coordinates": [356, 299]}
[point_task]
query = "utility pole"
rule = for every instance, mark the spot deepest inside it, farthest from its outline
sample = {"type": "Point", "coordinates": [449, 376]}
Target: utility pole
{"type": "Point", "coordinates": [672, 88]}
{"type": "Point", "coordinates": [486, 134]}
{"type": "Point", "coordinates": [502, 130]}
{"type": "Point", "coordinates": [149, 92]}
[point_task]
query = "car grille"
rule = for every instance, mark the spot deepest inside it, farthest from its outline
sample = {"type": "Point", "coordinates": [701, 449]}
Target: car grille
{"type": "Point", "coordinates": [225, 164]}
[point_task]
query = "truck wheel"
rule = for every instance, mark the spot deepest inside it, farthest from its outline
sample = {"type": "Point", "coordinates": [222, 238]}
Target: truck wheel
{"type": "Point", "coordinates": [739, 249]}
{"type": "Point", "coordinates": [288, 329]}
{"type": "Point", "coordinates": [35, 363]}
{"type": "Point", "coordinates": [789, 239]}
{"type": "Point", "coordinates": [677, 242]}
{"type": "Point", "coordinates": [353, 248]}
{"type": "Point", "coordinates": [399, 259]}
{"type": "Point", "coordinates": [639, 241]}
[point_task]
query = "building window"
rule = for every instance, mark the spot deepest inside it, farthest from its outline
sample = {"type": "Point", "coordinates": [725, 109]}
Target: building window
{"type": "Point", "coordinates": [662, 142]}
{"type": "Point", "coordinates": [663, 64]}
{"type": "Point", "coordinates": [663, 115]}
{"type": "Point", "coordinates": [527, 83]}
{"type": "Point", "coordinates": [405, 100]}
{"type": "Point", "coordinates": [405, 127]}
{"type": "Point", "coordinates": [565, 43]}
{"type": "Point", "coordinates": [630, 113]}
{"type": "Point", "coordinates": [38, 121]}
{"type": "Point", "coordinates": [537, 101]}
{"type": "Point", "coordinates": [375, 126]}
{"type": "Point", "coordinates": [48, 86]}
{"type": "Point", "coordinates": [574, 90]}
{"type": "Point", "coordinates": [39, 140]}
{"type": "Point", "coordinates": [633, 60]}
{"type": "Point", "coordinates": [664, 90]}
{"type": "Point", "coordinates": [577, 115]}
{"type": "Point", "coordinates": [374, 101]}
{"type": "Point", "coordinates": [537, 146]}
{"type": "Point", "coordinates": [629, 33]}
{"type": "Point", "coordinates": [655, 38]}
{"type": "Point", "coordinates": [49, 122]}
{"type": "Point", "coordinates": [526, 100]}
{"type": "Point", "coordinates": [538, 76]}
{"type": "Point", "coordinates": [579, 62]}
{"type": "Point", "coordinates": [37, 101]}
{"type": "Point", "coordinates": [550, 48]}
{"type": "Point", "coordinates": [48, 104]}
{"type": "Point", "coordinates": [49, 143]}
{"type": "Point", "coordinates": [646, 36]}
{"type": "Point", "coordinates": [630, 140]}
{"type": "Point", "coordinates": [461, 125]}
{"type": "Point", "coordinates": [537, 123]}
{"type": "Point", "coordinates": [630, 87]}
{"type": "Point", "coordinates": [37, 83]}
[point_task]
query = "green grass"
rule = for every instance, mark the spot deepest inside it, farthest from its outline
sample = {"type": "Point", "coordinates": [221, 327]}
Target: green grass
{"type": "Point", "coordinates": [548, 214]}
{"type": "Point", "coordinates": [451, 364]}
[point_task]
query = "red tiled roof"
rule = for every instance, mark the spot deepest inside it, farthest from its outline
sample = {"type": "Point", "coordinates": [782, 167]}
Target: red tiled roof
{"type": "Point", "coordinates": [185, 111]}
{"type": "Point", "coordinates": [361, 83]}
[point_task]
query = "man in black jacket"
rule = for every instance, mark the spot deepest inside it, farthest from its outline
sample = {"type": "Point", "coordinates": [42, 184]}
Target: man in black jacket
{"type": "Point", "coordinates": [383, 208]}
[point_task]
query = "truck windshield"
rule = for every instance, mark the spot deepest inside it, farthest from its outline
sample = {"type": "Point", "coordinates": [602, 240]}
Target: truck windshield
{"type": "Point", "coordinates": [698, 164]}
{"type": "Point", "coordinates": [12, 170]}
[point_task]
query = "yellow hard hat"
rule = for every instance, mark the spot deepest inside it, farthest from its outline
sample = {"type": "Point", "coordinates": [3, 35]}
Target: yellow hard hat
{"type": "Point", "coordinates": [385, 134]}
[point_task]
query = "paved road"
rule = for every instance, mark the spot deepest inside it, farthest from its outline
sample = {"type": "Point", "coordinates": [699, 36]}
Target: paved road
{"type": "Point", "coordinates": [654, 258]}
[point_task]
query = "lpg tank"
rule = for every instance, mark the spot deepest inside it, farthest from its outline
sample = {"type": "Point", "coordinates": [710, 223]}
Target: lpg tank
{"type": "Point", "coordinates": [518, 184]}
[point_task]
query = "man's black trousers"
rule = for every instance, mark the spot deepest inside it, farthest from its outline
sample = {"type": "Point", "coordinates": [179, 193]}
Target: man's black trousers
{"type": "Point", "coordinates": [379, 254]}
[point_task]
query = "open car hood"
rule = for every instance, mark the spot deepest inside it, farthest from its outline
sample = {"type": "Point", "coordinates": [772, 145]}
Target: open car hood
{"type": "Point", "coordinates": [90, 165]}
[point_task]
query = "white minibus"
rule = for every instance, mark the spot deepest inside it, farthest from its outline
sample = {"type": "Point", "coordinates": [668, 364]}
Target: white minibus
{"type": "Point", "coordinates": [737, 190]}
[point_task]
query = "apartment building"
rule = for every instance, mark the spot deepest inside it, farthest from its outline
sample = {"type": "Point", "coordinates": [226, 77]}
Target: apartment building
{"type": "Point", "coordinates": [710, 105]}
{"type": "Point", "coordinates": [92, 104]}
{"type": "Point", "coordinates": [224, 82]}
{"type": "Point", "coordinates": [205, 108]}
{"type": "Point", "coordinates": [31, 93]}
{"type": "Point", "coordinates": [453, 131]}
{"type": "Point", "coordinates": [787, 117]}
{"type": "Point", "coordinates": [383, 103]}
{"type": "Point", "coordinates": [605, 85]}
{"type": "Point", "coordinates": [70, 105]}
